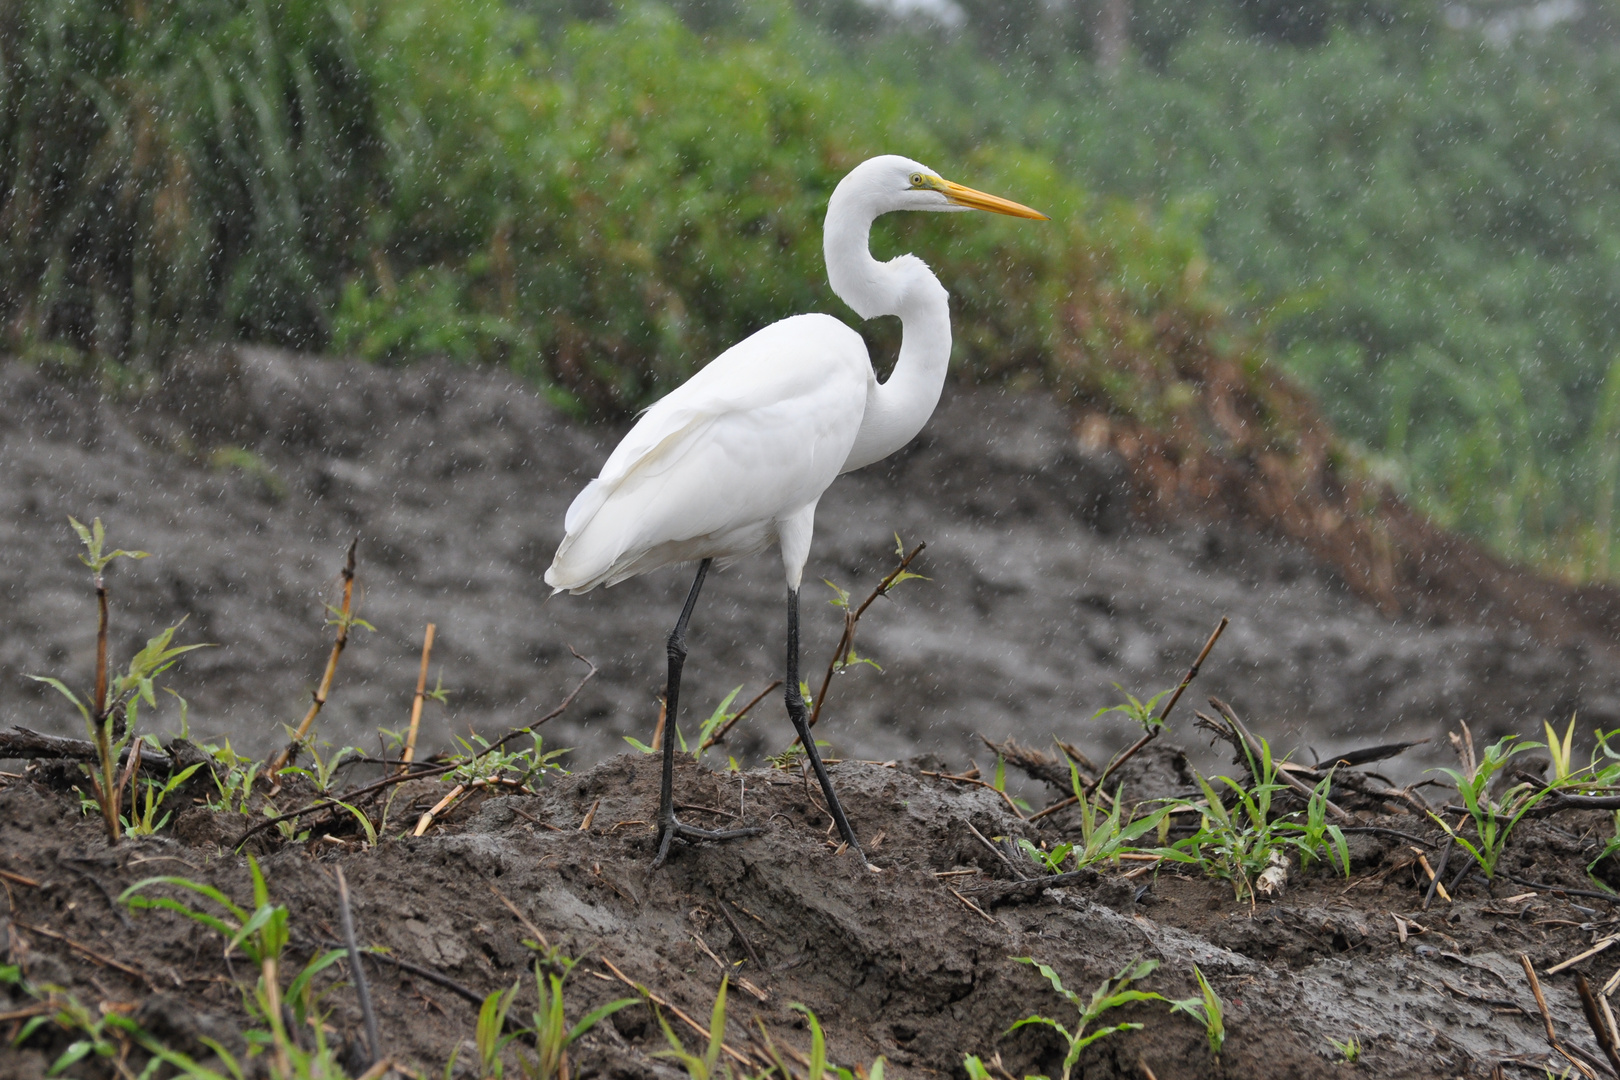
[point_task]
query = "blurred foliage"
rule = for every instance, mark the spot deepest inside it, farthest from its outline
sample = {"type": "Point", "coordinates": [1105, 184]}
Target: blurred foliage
{"type": "Point", "coordinates": [1427, 224]}
{"type": "Point", "coordinates": [603, 195]}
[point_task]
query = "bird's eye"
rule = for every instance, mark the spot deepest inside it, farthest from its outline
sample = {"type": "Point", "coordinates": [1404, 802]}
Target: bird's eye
{"type": "Point", "coordinates": [917, 180]}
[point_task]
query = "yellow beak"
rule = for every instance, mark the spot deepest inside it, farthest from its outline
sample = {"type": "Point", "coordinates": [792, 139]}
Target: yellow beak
{"type": "Point", "coordinates": [978, 200]}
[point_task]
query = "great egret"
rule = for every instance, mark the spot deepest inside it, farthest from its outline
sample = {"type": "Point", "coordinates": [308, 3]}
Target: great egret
{"type": "Point", "coordinates": [739, 455]}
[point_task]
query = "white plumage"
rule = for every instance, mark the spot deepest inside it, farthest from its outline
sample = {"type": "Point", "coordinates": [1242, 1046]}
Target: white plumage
{"type": "Point", "coordinates": [727, 463]}
{"type": "Point", "coordinates": [737, 457]}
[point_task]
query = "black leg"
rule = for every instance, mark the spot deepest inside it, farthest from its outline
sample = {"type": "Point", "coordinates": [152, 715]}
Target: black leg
{"type": "Point", "coordinates": [801, 722]}
{"type": "Point", "coordinates": [668, 826]}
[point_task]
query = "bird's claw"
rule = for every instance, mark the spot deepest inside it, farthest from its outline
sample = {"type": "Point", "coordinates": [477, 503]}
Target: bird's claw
{"type": "Point", "coordinates": [676, 827]}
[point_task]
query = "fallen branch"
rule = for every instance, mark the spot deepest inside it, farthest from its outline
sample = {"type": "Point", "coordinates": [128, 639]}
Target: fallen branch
{"type": "Point", "coordinates": [437, 770]}
{"type": "Point", "coordinates": [345, 619]}
{"type": "Point", "coordinates": [26, 744]}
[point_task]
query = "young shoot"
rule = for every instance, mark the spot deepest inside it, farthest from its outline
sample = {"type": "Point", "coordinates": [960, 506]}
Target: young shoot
{"type": "Point", "coordinates": [1493, 816]}
{"type": "Point", "coordinates": [1111, 994]}
{"type": "Point", "coordinates": [111, 711]}
{"type": "Point", "coordinates": [1208, 1009]}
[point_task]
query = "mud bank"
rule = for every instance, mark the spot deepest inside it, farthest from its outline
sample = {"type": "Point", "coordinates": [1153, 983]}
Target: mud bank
{"type": "Point", "coordinates": [248, 471]}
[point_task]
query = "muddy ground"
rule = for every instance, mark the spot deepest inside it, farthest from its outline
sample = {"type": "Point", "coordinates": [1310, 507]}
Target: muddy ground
{"type": "Point", "coordinates": [912, 962]}
{"type": "Point", "coordinates": [247, 472]}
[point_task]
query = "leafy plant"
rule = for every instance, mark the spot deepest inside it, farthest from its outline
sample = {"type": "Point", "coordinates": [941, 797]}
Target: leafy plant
{"type": "Point", "coordinates": [144, 820]}
{"type": "Point", "coordinates": [112, 711]}
{"type": "Point", "coordinates": [1142, 712]}
{"type": "Point", "coordinates": [263, 934]}
{"type": "Point", "coordinates": [522, 767]}
{"type": "Point", "coordinates": [552, 1035]}
{"type": "Point", "coordinates": [1111, 994]}
{"type": "Point", "coordinates": [1561, 751]}
{"type": "Point", "coordinates": [1493, 816]}
{"type": "Point", "coordinates": [1316, 837]}
{"type": "Point", "coordinates": [707, 1066]}
{"type": "Point", "coordinates": [1207, 1009]}
{"type": "Point", "coordinates": [1242, 843]}
{"type": "Point", "coordinates": [716, 720]}
{"type": "Point", "coordinates": [233, 781]}
{"type": "Point", "coordinates": [490, 1036]}
{"type": "Point", "coordinates": [325, 768]}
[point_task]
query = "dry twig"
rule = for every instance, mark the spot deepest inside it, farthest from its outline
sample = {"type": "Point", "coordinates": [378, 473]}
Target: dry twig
{"type": "Point", "coordinates": [1546, 1018]}
{"type": "Point", "coordinates": [846, 641]}
{"type": "Point", "coordinates": [1164, 713]}
{"type": "Point", "coordinates": [1595, 1019]}
{"type": "Point", "coordinates": [361, 989]}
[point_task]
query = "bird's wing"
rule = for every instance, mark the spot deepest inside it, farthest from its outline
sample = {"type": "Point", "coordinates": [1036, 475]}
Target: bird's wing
{"type": "Point", "coordinates": [758, 432]}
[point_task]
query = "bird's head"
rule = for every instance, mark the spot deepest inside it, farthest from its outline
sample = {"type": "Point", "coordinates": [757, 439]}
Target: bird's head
{"type": "Point", "coordinates": [892, 182]}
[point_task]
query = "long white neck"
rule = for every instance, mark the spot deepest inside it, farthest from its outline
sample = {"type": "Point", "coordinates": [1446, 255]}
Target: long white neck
{"type": "Point", "coordinates": [897, 409]}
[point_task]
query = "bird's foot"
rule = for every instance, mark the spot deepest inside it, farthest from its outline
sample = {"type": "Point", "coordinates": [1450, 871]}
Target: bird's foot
{"type": "Point", "coordinates": [675, 827]}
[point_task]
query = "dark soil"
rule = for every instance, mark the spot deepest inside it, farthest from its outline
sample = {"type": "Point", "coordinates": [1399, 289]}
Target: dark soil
{"type": "Point", "coordinates": [905, 962]}
{"type": "Point", "coordinates": [248, 471]}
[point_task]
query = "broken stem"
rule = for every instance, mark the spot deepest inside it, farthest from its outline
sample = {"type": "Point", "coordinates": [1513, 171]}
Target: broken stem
{"type": "Point", "coordinates": [416, 702]}
{"type": "Point", "coordinates": [344, 621]}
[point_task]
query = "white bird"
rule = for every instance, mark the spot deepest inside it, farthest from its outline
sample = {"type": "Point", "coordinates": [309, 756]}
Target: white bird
{"type": "Point", "coordinates": [737, 457]}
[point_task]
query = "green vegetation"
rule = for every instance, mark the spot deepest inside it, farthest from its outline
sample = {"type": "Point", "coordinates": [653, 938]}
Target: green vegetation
{"type": "Point", "coordinates": [1422, 223]}
{"type": "Point", "coordinates": [1493, 815]}
{"type": "Point", "coordinates": [263, 934]}
{"type": "Point", "coordinates": [1110, 994]}
{"type": "Point", "coordinates": [1103, 836]}
{"type": "Point", "coordinates": [1245, 843]}
{"type": "Point", "coordinates": [1349, 1051]}
{"type": "Point", "coordinates": [549, 1028]}
{"type": "Point", "coordinates": [112, 710]}
{"type": "Point", "coordinates": [1426, 223]}
{"type": "Point", "coordinates": [1208, 1009]}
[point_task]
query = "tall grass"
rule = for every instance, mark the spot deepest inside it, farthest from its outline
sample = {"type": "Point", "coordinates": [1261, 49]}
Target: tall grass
{"type": "Point", "coordinates": [176, 169]}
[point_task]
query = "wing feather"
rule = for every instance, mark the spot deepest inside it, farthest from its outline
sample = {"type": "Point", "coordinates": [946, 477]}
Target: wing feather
{"type": "Point", "coordinates": [758, 433]}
